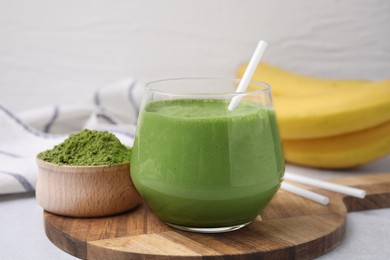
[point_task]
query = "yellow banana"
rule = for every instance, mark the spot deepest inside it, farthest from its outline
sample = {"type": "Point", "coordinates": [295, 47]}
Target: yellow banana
{"type": "Point", "coordinates": [285, 83]}
{"type": "Point", "coordinates": [329, 123]}
{"type": "Point", "coordinates": [343, 151]}
{"type": "Point", "coordinates": [333, 113]}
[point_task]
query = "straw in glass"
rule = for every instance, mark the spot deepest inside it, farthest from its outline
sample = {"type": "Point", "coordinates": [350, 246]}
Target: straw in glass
{"type": "Point", "coordinates": [246, 78]}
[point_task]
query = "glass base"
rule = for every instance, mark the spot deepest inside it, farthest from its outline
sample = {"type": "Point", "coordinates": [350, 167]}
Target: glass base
{"type": "Point", "coordinates": [210, 230]}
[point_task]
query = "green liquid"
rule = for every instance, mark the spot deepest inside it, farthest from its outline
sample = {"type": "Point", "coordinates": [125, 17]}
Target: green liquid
{"type": "Point", "coordinates": [199, 165]}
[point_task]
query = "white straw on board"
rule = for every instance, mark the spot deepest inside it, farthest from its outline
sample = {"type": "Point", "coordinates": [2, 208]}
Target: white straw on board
{"type": "Point", "coordinates": [359, 193]}
{"type": "Point", "coordinates": [305, 193]}
{"type": "Point", "coordinates": [246, 78]}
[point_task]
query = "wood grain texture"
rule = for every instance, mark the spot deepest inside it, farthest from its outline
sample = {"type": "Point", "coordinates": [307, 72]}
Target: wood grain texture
{"type": "Point", "coordinates": [291, 228]}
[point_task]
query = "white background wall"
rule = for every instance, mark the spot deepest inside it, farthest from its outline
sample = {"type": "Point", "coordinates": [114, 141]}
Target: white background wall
{"type": "Point", "coordinates": [60, 51]}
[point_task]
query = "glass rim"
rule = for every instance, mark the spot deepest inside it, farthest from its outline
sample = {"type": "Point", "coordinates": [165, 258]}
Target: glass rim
{"type": "Point", "coordinates": [266, 87]}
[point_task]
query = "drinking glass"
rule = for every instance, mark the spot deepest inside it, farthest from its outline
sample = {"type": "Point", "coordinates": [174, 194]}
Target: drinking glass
{"type": "Point", "coordinates": [199, 166]}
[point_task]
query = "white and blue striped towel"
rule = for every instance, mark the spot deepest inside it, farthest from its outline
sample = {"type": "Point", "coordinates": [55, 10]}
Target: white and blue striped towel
{"type": "Point", "coordinates": [114, 108]}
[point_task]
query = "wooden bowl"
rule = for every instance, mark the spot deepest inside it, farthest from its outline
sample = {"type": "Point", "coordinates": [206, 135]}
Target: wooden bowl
{"type": "Point", "coordinates": [85, 191]}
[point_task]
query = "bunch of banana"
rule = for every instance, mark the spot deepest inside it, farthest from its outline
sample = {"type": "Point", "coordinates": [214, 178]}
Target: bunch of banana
{"type": "Point", "coordinates": [329, 123]}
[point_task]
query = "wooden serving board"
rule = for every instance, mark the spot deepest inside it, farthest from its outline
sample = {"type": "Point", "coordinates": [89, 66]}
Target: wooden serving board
{"type": "Point", "coordinates": [290, 228]}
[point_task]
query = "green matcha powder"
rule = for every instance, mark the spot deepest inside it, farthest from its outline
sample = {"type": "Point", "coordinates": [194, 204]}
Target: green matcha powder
{"type": "Point", "coordinates": [88, 148]}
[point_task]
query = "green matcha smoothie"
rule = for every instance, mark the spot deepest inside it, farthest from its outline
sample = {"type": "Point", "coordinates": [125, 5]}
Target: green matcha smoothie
{"type": "Point", "coordinates": [199, 165]}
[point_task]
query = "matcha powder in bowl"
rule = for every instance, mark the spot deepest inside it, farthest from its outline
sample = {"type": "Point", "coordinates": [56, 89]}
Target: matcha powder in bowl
{"type": "Point", "coordinates": [88, 148]}
{"type": "Point", "coordinates": [87, 175]}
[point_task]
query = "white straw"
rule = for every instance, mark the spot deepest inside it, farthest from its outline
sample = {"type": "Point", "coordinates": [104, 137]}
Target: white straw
{"type": "Point", "coordinates": [246, 78]}
{"type": "Point", "coordinates": [359, 193]}
{"type": "Point", "coordinates": [305, 193]}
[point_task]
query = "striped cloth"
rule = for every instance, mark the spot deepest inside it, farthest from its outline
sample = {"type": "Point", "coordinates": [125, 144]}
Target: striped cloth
{"type": "Point", "coordinates": [113, 108]}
